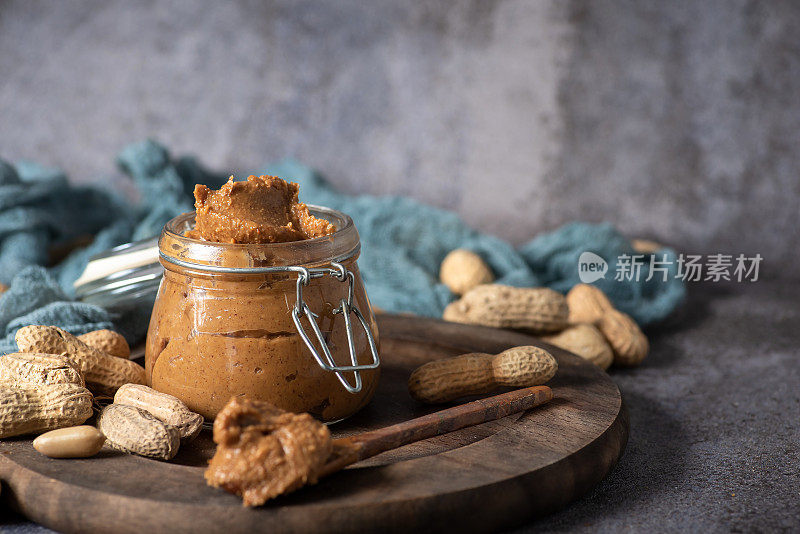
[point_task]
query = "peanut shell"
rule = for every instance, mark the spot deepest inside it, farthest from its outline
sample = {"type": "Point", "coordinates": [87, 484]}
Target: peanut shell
{"type": "Point", "coordinates": [451, 378]}
{"type": "Point", "coordinates": [171, 410]}
{"type": "Point", "coordinates": [462, 270]}
{"type": "Point", "coordinates": [107, 341]}
{"type": "Point", "coordinates": [32, 408]}
{"type": "Point", "coordinates": [586, 341]}
{"type": "Point", "coordinates": [587, 304]}
{"type": "Point", "coordinates": [629, 343]}
{"type": "Point", "coordinates": [135, 431]}
{"type": "Point", "coordinates": [104, 374]}
{"type": "Point", "coordinates": [523, 367]}
{"type": "Point", "coordinates": [478, 373]}
{"type": "Point", "coordinates": [646, 246]}
{"type": "Point", "coordinates": [535, 309]}
{"type": "Point", "coordinates": [38, 368]}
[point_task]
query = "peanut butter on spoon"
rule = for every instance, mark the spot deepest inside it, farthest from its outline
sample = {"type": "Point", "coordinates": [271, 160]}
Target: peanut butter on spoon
{"type": "Point", "coordinates": [262, 209]}
{"type": "Point", "coordinates": [263, 452]}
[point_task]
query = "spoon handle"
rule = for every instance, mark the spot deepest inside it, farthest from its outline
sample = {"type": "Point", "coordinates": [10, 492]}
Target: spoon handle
{"type": "Point", "coordinates": [361, 446]}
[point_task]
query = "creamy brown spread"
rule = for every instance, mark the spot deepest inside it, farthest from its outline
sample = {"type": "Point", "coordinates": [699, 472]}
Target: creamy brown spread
{"type": "Point", "coordinates": [262, 209]}
{"type": "Point", "coordinates": [214, 336]}
{"type": "Point", "coordinates": [263, 452]}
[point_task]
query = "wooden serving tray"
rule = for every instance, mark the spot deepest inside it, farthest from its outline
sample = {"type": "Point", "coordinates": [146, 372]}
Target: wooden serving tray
{"type": "Point", "coordinates": [482, 478]}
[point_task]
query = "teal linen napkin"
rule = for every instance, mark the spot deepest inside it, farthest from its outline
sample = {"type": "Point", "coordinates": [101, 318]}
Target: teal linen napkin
{"type": "Point", "coordinates": [403, 243]}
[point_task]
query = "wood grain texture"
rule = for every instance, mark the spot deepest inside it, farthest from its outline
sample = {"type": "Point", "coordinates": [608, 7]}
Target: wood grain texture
{"type": "Point", "coordinates": [349, 450]}
{"type": "Point", "coordinates": [480, 478]}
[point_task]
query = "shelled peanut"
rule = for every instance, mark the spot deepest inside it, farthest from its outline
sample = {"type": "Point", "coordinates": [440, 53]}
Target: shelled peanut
{"type": "Point", "coordinates": [103, 373]}
{"type": "Point", "coordinates": [71, 442]}
{"type": "Point", "coordinates": [479, 373]}
{"type": "Point", "coordinates": [588, 304]}
{"type": "Point", "coordinates": [107, 341]}
{"type": "Point", "coordinates": [462, 270]}
{"type": "Point", "coordinates": [539, 309]}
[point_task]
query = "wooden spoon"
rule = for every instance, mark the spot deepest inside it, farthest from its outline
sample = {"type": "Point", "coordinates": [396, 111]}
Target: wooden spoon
{"type": "Point", "coordinates": [353, 449]}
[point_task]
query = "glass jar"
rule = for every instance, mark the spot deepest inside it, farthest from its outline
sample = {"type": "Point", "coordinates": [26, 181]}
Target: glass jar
{"type": "Point", "coordinates": [288, 323]}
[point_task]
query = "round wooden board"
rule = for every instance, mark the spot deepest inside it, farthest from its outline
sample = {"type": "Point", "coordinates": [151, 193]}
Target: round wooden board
{"type": "Point", "coordinates": [482, 478]}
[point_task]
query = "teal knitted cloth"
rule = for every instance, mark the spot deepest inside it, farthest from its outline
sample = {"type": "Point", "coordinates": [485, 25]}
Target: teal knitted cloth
{"type": "Point", "coordinates": [403, 243]}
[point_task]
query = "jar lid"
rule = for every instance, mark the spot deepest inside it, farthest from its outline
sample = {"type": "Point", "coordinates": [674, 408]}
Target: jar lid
{"type": "Point", "coordinates": [125, 275]}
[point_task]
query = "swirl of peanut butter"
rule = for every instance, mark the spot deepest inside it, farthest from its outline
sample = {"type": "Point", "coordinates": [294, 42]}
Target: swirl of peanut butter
{"type": "Point", "coordinates": [263, 451]}
{"type": "Point", "coordinates": [262, 209]}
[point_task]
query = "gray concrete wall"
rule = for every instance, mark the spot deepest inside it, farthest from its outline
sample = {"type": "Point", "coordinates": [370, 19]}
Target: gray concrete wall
{"type": "Point", "coordinates": [675, 120]}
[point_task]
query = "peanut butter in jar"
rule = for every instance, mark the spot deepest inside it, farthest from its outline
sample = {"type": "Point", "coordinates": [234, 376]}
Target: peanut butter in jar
{"type": "Point", "coordinates": [225, 322]}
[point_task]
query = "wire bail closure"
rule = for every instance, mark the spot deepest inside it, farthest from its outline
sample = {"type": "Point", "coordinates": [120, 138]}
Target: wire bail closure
{"type": "Point", "coordinates": [346, 308]}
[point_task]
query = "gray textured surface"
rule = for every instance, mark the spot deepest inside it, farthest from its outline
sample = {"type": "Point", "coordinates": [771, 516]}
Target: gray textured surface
{"type": "Point", "coordinates": [675, 120]}
{"type": "Point", "coordinates": [715, 433]}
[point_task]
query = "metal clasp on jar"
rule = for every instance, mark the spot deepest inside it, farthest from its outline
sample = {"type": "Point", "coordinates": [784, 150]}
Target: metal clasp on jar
{"type": "Point", "coordinates": [347, 308]}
